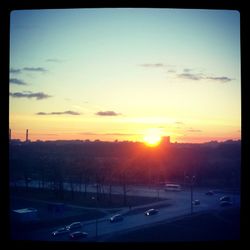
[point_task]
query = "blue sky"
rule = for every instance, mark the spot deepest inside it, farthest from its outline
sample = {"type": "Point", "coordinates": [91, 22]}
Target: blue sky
{"type": "Point", "coordinates": [152, 67]}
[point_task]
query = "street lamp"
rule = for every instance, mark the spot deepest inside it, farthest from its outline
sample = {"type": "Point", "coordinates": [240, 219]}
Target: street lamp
{"type": "Point", "coordinates": [191, 183]}
{"type": "Point", "coordinates": [96, 221]}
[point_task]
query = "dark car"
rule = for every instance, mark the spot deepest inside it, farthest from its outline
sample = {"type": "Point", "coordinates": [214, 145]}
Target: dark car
{"type": "Point", "coordinates": [151, 211]}
{"type": "Point", "coordinates": [78, 235]}
{"type": "Point", "coordinates": [226, 203]}
{"type": "Point", "coordinates": [116, 218]}
{"type": "Point", "coordinates": [60, 231]}
{"type": "Point", "coordinates": [225, 198]}
{"type": "Point", "coordinates": [196, 202]}
{"type": "Point", "coordinates": [210, 192]}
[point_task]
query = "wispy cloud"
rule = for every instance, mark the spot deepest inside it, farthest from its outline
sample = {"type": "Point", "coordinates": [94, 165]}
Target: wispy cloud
{"type": "Point", "coordinates": [171, 71]}
{"type": "Point", "coordinates": [120, 134]}
{"type": "Point", "coordinates": [190, 76]}
{"type": "Point", "coordinates": [107, 113]}
{"type": "Point", "coordinates": [38, 95]}
{"type": "Point", "coordinates": [33, 69]}
{"type": "Point", "coordinates": [154, 65]}
{"type": "Point", "coordinates": [220, 79]}
{"type": "Point", "coordinates": [15, 71]}
{"type": "Point", "coordinates": [88, 133]}
{"type": "Point", "coordinates": [68, 112]}
{"type": "Point", "coordinates": [54, 60]}
{"type": "Point", "coordinates": [198, 76]}
{"type": "Point", "coordinates": [107, 134]}
{"type": "Point", "coordinates": [17, 81]}
{"type": "Point", "coordinates": [194, 130]}
{"type": "Point", "coordinates": [187, 70]}
{"type": "Point", "coordinates": [30, 69]}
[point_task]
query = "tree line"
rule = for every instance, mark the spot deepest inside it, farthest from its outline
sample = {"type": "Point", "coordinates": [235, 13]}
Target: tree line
{"type": "Point", "coordinates": [84, 163]}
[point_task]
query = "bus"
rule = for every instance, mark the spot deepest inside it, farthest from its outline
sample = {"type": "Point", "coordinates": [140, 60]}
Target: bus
{"type": "Point", "coordinates": [172, 187]}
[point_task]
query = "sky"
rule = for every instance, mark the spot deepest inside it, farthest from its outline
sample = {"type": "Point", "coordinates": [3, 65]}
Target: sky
{"type": "Point", "coordinates": [123, 73]}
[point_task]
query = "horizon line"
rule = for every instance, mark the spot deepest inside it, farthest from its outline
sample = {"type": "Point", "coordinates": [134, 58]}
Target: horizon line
{"type": "Point", "coordinates": [116, 140]}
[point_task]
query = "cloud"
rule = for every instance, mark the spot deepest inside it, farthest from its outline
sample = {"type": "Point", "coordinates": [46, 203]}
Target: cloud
{"type": "Point", "coordinates": [68, 112]}
{"type": "Point", "coordinates": [120, 134]}
{"type": "Point", "coordinates": [220, 79]}
{"type": "Point", "coordinates": [194, 130]}
{"type": "Point", "coordinates": [38, 95]}
{"type": "Point", "coordinates": [15, 71]}
{"type": "Point", "coordinates": [38, 69]}
{"type": "Point", "coordinates": [54, 60]}
{"type": "Point", "coordinates": [190, 76]}
{"type": "Point", "coordinates": [32, 69]}
{"type": "Point", "coordinates": [88, 133]}
{"type": "Point", "coordinates": [152, 65]}
{"type": "Point", "coordinates": [198, 76]}
{"type": "Point", "coordinates": [17, 81]}
{"type": "Point", "coordinates": [179, 122]}
{"type": "Point", "coordinates": [171, 71]}
{"type": "Point", "coordinates": [107, 113]}
{"type": "Point", "coordinates": [107, 134]}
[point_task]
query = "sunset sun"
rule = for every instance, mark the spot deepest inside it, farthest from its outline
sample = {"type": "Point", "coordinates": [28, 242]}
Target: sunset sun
{"type": "Point", "coordinates": [152, 139]}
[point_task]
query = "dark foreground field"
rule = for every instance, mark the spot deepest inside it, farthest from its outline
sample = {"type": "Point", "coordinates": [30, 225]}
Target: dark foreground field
{"type": "Point", "coordinates": [210, 226]}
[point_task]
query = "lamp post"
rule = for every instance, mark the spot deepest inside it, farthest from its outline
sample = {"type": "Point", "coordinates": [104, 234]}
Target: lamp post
{"type": "Point", "coordinates": [96, 221]}
{"type": "Point", "coordinates": [191, 183]}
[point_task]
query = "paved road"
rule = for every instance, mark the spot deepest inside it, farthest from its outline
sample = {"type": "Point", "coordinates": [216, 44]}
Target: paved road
{"type": "Point", "coordinates": [177, 204]}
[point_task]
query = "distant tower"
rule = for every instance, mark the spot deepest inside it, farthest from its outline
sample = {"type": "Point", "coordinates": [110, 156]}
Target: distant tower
{"type": "Point", "coordinates": [27, 135]}
{"type": "Point", "coordinates": [166, 140]}
{"type": "Point", "coordinates": [10, 134]}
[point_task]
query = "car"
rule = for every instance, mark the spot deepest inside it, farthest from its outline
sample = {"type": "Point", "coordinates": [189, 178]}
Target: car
{"type": "Point", "coordinates": [116, 218]}
{"type": "Point", "coordinates": [210, 192]}
{"type": "Point", "coordinates": [74, 225]}
{"type": "Point", "coordinates": [78, 235]}
{"type": "Point", "coordinates": [225, 198]}
{"type": "Point", "coordinates": [151, 211]}
{"type": "Point", "coordinates": [196, 202]}
{"type": "Point", "coordinates": [59, 231]}
{"type": "Point", "coordinates": [225, 203]}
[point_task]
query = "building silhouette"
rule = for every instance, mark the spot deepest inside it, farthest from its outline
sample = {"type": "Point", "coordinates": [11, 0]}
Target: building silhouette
{"type": "Point", "coordinates": [165, 140]}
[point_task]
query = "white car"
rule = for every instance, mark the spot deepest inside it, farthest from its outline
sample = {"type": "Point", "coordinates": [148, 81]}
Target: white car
{"type": "Point", "coordinates": [151, 211]}
{"type": "Point", "coordinates": [74, 225]}
{"type": "Point", "coordinates": [225, 198]}
{"type": "Point", "coordinates": [116, 218]}
{"type": "Point", "coordinates": [60, 231]}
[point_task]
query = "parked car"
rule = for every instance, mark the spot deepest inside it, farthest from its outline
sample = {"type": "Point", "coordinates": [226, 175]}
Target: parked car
{"type": "Point", "coordinates": [196, 202]}
{"type": "Point", "coordinates": [151, 211]}
{"type": "Point", "coordinates": [78, 235]}
{"type": "Point", "coordinates": [225, 198]}
{"type": "Point", "coordinates": [74, 225]}
{"type": "Point", "coordinates": [60, 231]}
{"type": "Point", "coordinates": [116, 218]}
{"type": "Point", "coordinates": [210, 192]}
{"type": "Point", "coordinates": [225, 203]}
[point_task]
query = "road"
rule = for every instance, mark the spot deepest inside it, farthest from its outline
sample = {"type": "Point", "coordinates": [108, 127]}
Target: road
{"type": "Point", "coordinates": [176, 204]}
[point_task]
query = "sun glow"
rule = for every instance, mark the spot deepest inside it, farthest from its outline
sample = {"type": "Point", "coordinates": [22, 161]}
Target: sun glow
{"type": "Point", "coordinates": [152, 138]}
